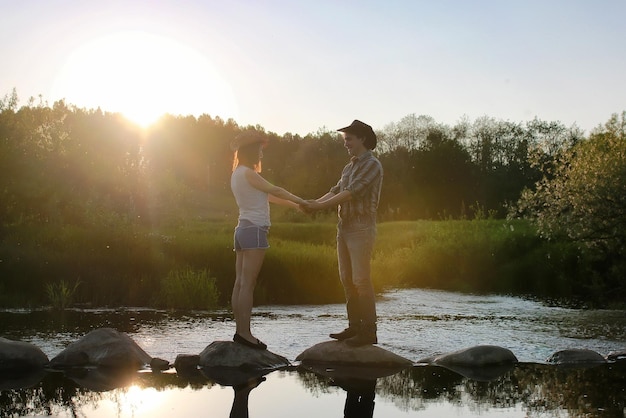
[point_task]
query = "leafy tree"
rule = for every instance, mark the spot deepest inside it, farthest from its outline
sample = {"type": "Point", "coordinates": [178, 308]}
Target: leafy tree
{"type": "Point", "coordinates": [583, 199]}
{"type": "Point", "coordinates": [446, 175]}
{"type": "Point", "coordinates": [410, 132]}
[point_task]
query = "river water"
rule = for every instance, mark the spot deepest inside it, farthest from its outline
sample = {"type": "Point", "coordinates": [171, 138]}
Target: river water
{"type": "Point", "coordinates": [413, 323]}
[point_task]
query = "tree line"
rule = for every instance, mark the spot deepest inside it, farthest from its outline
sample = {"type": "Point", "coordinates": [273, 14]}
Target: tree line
{"type": "Point", "coordinates": [66, 164]}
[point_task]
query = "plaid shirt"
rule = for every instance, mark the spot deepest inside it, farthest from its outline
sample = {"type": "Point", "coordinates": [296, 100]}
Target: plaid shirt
{"type": "Point", "coordinates": [363, 177]}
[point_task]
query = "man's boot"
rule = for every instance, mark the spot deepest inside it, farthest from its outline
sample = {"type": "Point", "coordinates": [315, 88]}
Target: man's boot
{"type": "Point", "coordinates": [349, 332]}
{"type": "Point", "coordinates": [354, 322]}
{"type": "Point", "coordinates": [366, 335]}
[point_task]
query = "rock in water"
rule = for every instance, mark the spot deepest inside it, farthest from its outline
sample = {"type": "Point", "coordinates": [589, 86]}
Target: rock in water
{"type": "Point", "coordinates": [19, 355]}
{"type": "Point", "coordinates": [337, 352]}
{"type": "Point", "coordinates": [481, 362]}
{"type": "Point", "coordinates": [477, 356]}
{"type": "Point", "coordinates": [616, 356]}
{"type": "Point", "coordinates": [230, 354]}
{"type": "Point", "coordinates": [576, 357]}
{"type": "Point", "coordinates": [343, 363]}
{"type": "Point", "coordinates": [103, 347]}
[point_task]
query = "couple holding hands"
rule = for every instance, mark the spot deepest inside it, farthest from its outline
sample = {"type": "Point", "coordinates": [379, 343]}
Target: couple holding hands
{"type": "Point", "coordinates": [356, 194]}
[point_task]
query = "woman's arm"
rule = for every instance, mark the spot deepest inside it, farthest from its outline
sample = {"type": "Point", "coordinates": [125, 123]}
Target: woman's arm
{"type": "Point", "coordinates": [283, 202]}
{"type": "Point", "coordinates": [276, 194]}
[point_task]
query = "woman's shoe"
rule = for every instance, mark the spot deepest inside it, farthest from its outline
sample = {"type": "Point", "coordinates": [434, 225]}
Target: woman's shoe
{"type": "Point", "coordinates": [257, 346]}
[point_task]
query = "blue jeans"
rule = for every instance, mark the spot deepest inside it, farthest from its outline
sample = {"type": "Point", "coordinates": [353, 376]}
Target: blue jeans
{"type": "Point", "coordinates": [355, 245]}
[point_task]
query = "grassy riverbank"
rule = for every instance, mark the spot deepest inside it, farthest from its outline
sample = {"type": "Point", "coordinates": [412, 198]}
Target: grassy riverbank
{"type": "Point", "coordinates": [192, 265]}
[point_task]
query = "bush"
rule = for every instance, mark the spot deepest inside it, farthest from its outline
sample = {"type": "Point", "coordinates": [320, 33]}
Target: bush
{"type": "Point", "coordinates": [189, 289]}
{"type": "Point", "coordinates": [582, 200]}
{"type": "Point", "coordinates": [61, 295]}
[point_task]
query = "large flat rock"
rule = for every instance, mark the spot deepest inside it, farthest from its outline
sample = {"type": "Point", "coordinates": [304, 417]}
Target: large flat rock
{"type": "Point", "coordinates": [340, 353]}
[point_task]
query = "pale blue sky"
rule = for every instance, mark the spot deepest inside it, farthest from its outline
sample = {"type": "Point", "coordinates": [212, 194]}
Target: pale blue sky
{"type": "Point", "coordinates": [295, 66]}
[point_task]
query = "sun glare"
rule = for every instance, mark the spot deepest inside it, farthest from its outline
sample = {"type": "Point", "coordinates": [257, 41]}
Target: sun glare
{"type": "Point", "coordinates": [143, 76]}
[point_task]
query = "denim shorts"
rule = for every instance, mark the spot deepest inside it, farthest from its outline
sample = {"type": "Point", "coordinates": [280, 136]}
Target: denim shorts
{"type": "Point", "coordinates": [249, 236]}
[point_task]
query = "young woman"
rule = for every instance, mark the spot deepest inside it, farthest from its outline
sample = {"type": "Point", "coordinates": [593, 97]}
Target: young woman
{"type": "Point", "coordinates": [253, 194]}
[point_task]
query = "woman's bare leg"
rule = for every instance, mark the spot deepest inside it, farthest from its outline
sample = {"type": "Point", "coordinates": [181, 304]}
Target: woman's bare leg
{"type": "Point", "coordinates": [247, 267]}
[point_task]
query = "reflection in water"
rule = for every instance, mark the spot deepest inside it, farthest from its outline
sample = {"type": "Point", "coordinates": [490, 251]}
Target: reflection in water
{"type": "Point", "coordinates": [526, 390]}
{"type": "Point", "coordinates": [360, 396]}
{"type": "Point", "coordinates": [241, 380]}
{"type": "Point", "coordinates": [414, 323]}
{"type": "Point", "coordinates": [240, 400]}
{"type": "Point", "coordinates": [537, 388]}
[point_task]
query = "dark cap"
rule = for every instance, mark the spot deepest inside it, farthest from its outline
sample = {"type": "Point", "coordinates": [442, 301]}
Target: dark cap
{"type": "Point", "coordinates": [361, 130]}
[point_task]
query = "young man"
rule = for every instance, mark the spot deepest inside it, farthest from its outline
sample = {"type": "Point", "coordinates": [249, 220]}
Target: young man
{"type": "Point", "coordinates": [357, 194]}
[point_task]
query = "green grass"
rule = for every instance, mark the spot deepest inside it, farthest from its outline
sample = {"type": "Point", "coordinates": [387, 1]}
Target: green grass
{"type": "Point", "coordinates": [133, 266]}
{"type": "Point", "coordinates": [61, 295]}
{"type": "Point", "coordinates": [189, 289]}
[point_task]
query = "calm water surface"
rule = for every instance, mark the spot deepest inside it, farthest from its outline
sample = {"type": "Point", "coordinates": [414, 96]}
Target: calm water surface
{"type": "Point", "coordinates": [412, 323]}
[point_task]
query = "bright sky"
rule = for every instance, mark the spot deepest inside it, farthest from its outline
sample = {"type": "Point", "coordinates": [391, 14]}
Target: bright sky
{"type": "Point", "coordinates": [298, 66]}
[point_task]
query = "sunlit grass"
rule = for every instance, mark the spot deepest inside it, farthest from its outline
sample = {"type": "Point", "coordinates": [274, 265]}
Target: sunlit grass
{"type": "Point", "coordinates": [189, 289]}
{"type": "Point", "coordinates": [135, 266]}
{"type": "Point", "coordinates": [61, 295]}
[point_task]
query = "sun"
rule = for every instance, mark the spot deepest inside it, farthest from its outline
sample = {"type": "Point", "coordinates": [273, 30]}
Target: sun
{"type": "Point", "coordinates": [143, 76]}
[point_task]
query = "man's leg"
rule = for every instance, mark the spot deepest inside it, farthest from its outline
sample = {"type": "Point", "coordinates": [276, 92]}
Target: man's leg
{"type": "Point", "coordinates": [360, 245]}
{"type": "Point", "coordinates": [350, 291]}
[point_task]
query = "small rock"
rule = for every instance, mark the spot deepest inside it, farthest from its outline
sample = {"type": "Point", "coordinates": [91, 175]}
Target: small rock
{"type": "Point", "coordinates": [158, 365]}
{"type": "Point", "coordinates": [616, 356]}
{"type": "Point", "coordinates": [186, 363]}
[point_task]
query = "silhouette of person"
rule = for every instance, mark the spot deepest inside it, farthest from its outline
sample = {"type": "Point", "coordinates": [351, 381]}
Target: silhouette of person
{"type": "Point", "coordinates": [253, 194]}
{"type": "Point", "coordinates": [357, 194]}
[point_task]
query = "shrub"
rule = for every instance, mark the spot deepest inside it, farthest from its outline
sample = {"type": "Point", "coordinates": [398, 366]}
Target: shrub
{"type": "Point", "coordinates": [61, 295]}
{"type": "Point", "coordinates": [189, 289]}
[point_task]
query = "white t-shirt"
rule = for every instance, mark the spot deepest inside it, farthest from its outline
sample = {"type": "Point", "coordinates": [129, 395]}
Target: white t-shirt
{"type": "Point", "coordinates": [253, 203]}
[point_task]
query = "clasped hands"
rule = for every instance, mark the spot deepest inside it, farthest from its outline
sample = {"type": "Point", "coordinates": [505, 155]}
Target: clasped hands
{"type": "Point", "coordinates": [310, 206]}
